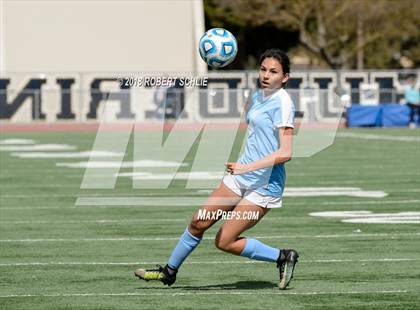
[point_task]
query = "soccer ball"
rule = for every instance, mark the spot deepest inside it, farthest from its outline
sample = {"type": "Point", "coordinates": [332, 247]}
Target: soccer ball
{"type": "Point", "coordinates": [218, 47]}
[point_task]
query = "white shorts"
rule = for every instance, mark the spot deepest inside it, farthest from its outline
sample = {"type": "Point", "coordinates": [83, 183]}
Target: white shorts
{"type": "Point", "coordinates": [252, 195]}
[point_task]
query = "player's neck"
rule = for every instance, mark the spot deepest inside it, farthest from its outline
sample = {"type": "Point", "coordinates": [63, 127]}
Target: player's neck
{"type": "Point", "coordinates": [266, 92]}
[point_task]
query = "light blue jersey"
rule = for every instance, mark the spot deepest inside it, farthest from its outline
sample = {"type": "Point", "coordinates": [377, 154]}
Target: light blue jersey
{"type": "Point", "coordinates": [412, 95]}
{"type": "Point", "coordinates": [265, 116]}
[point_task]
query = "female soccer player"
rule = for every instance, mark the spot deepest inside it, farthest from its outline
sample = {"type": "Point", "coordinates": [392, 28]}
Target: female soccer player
{"type": "Point", "coordinates": [254, 184]}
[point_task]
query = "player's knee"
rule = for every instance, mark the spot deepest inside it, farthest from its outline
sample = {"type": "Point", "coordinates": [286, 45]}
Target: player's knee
{"type": "Point", "coordinates": [223, 243]}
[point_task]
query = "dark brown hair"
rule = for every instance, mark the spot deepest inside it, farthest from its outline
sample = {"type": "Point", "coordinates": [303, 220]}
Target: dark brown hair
{"type": "Point", "coordinates": [281, 56]}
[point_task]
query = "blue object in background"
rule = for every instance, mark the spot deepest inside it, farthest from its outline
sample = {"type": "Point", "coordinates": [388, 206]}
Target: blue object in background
{"type": "Point", "coordinates": [395, 115]}
{"type": "Point", "coordinates": [386, 115]}
{"type": "Point", "coordinates": [364, 116]}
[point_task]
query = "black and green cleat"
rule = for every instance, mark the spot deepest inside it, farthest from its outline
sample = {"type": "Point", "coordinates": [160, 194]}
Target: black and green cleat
{"type": "Point", "coordinates": [160, 274]}
{"type": "Point", "coordinates": [286, 264]}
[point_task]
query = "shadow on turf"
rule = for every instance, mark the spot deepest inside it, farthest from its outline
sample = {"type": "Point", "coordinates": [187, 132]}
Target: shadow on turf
{"type": "Point", "coordinates": [240, 285]}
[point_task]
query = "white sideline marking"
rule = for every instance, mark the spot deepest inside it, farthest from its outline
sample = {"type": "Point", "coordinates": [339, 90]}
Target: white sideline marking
{"type": "Point", "coordinates": [377, 137]}
{"type": "Point", "coordinates": [140, 201]}
{"type": "Point", "coordinates": [118, 164]}
{"type": "Point", "coordinates": [370, 202]}
{"type": "Point", "coordinates": [358, 235]}
{"type": "Point", "coordinates": [191, 201]}
{"type": "Point", "coordinates": [331, 191]}
{"type": "Point", "coordinates": [210, 292]}
{"type": "Point", "coordinates": [408, 217]}
{"type": "Point", "coordinates": [137, 206]}
{"type": "Point", "coordinates": [66, 154]}
{"type": "Point", "coordinates": [362, 214]}
{"type": "Point", "coordinates": [197, 175]}
{"type": "Point", "coordinates": [370, 182]}
{"type": "Point", "coordinates": [310, 261]}
{"type": "Point", "coordinates": [149, 220]}
{"type": "Point", "coordinates": [16, 141]}
{"type": "Point", "coordinates": [390, 220]}
{"type": "Point", "coordinates": [191, 193]}
{"type": "Point", "coordinates": [104, 221]}
{"type": "Point", "coordinates": [38, 147]}
{"type": "Point", "coordinates": [372, 218]}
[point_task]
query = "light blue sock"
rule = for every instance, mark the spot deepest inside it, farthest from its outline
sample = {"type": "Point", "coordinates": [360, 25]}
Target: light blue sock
{"type": "Point", "coordinates": [257, 250]}
{"type": "Point", "coordinates": [186, 244]}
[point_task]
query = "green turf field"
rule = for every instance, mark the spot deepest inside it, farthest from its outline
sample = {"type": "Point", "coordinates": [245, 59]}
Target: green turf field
{"type": "Point", "coordinates": [59, 255]}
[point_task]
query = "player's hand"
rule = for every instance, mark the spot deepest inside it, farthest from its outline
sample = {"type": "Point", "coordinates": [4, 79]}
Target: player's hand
{"type": "Point", "coordinates": [236, 168]}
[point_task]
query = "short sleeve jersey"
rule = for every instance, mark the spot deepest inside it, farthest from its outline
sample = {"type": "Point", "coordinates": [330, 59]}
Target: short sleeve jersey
{"type": "Point", "coordinates": [412, 95]}
{"type": "Point", "coordinates": [264, 117]}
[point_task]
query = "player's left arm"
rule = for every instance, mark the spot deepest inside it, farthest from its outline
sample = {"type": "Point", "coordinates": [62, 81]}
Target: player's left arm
{"type": "Point", "coordinates": [282, 155]}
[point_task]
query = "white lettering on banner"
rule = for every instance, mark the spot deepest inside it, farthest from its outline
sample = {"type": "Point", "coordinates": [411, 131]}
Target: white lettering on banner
{"type": "Point", "coordinates": [55, 97]}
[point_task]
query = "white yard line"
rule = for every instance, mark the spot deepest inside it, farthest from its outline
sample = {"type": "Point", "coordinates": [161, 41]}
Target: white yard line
{"type": "Point", "coordinates": [81, 154]}
{"type": "Point", "coordinates": [113, 221]}
{"type": "Point", "coordinates": [77, 195]}
{"type": "Point", "coordinates": [374, 202]}
{"type": "Point", "coordinates": [377, 137]}
{"type": "Point", "coordinates": [16, 141]}
{"type": "Point", "coordinates": [197, 201]}
{"type": "Point", "coordinates": [362, 216]}
{"type": "Point", "coordinates": [38, 147]}
{"type": "Point", "coordinates": [209, 292]}
{"type": "Point", "coordinates": [121, 164]}
{"type": "Point", "coordinates": [142, 220]}
{"type": "Point", "coordinates": [309, 261]}
{"type": "Point", "coordinates": [288, 203]}
{"type": "Point", "coordinates": [103, 221]}
{"type": "Point", "coordinates": [202, 194]}
{"type": "Point", "coordinates": [354, 235]}
{"type": "Point", "coordinates": [142, 201]}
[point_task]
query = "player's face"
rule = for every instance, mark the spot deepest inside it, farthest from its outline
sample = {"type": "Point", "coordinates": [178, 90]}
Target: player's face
{"type": "Point", "coordinates": [271, 74]}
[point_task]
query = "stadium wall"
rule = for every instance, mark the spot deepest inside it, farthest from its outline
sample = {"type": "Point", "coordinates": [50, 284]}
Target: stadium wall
{"type": "Point", "coordinates": [90, 97]}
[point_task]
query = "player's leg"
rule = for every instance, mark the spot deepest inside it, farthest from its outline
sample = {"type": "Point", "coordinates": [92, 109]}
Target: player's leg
{"type": "Point", "coordinates": [416, 116]}
{"type": "Point", "coordinates": [229, 240]}
{"type": "Point", "coordinates": [412, 112]}
{"type": "Point", "coordinates": [245, 216]}
{"type": "Point", "coordinates": [222, 199]}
